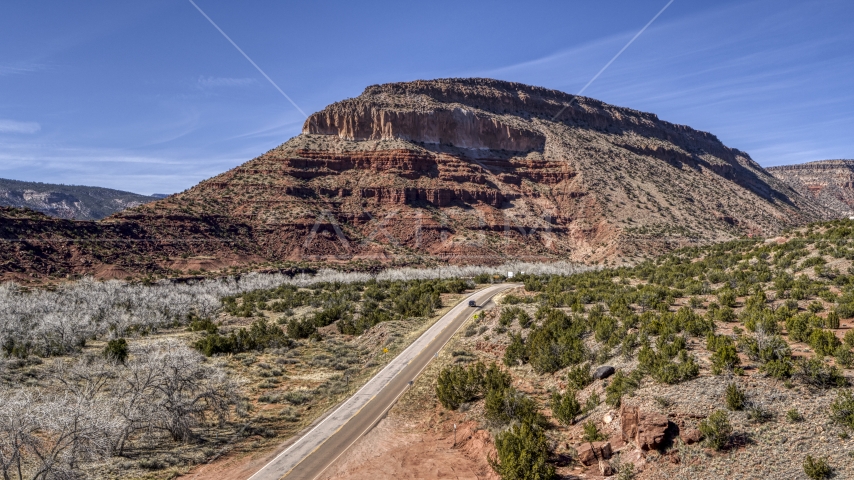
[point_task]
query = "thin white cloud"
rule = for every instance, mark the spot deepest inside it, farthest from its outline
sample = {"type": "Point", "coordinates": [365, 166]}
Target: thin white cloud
{"type": "Point", "coordinates": [21, 69]}
{"type": "Point", "coordinates": [213, 82]}
{"type": "Point", "coordinates": [13, 126]}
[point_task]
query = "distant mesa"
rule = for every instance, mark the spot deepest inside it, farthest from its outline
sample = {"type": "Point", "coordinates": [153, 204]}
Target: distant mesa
{"type": "Point", "coordinates": [160, 196]}
{"type": "Point", "coordinates": [68, 201]}
{"type": "Point", "coordinates": [828, 182]}
{"type": "Point", "coordinates": [455, 171]}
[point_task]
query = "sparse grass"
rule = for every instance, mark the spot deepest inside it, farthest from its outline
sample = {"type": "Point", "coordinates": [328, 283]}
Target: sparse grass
{"type": "Point", "coordinates": [757, 413]}
{"type": "Point", "coordinates": [794, 416]}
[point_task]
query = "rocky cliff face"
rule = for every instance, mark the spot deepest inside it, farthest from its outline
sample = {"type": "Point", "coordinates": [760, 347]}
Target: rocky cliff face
{"type": "Point", "coordinates": [462, 128]}
{"type": "Point", "coordinates": [828, 182]}
{"type": "Point", "coordinates": [475, 171]}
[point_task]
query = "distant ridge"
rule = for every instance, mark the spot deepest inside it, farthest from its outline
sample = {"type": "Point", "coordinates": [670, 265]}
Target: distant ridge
{"type": "Point", "coordinates": [68, 201]}
{"type": "Point", "coordinates": [829, 182]}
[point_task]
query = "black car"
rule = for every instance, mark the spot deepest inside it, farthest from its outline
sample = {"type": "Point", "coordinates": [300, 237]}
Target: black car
{"type": "Point", "coordinates": [472, 303]}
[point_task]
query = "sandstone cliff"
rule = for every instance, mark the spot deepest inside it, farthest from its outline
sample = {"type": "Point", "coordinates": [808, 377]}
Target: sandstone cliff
{"type": "Point", "coordinates": [829, 182]}
{"type": "Point", "coordinates": [473, 171]}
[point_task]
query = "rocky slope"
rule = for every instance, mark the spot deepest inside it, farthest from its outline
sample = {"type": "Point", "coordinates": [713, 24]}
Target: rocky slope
{"type": "Point", "coordinates": [35, 247]}
{"type": "Point", "coordinates": [68, 201]}
{"type": "Point", "coordinates": [472, 171]}
{"type": "Point", "coordinates": [829, 182]}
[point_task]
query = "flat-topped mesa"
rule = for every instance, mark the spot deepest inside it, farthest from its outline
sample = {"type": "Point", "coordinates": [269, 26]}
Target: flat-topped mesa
{"type": "Point", "coordinates": [823, 172]}
{"type": "Point", "coordinates": [498, 169]}
{"type": "Point", "coordinates": [465, 113]}
{"type": "Point", "coordinates": [819, 165]}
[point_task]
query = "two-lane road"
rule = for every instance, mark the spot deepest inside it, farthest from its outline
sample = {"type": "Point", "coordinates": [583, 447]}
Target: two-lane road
{"type": "Point", "coordinates": [309, 456]}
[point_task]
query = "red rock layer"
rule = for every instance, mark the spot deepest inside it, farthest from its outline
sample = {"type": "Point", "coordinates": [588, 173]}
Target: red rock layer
{"type": "Point", "coordinates": [455, 126]}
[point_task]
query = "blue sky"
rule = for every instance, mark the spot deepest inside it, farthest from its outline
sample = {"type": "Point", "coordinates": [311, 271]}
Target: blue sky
{"type": "Point", "coordinates": [149, 97]}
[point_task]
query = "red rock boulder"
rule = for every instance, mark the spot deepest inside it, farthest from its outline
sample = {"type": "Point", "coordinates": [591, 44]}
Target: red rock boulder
{"type": "Point", "coordinates": [648, 430]}
{"type": "Point", "coordinates": [590, 453]}
{"type": "Point", "coordinates": [691, 436]}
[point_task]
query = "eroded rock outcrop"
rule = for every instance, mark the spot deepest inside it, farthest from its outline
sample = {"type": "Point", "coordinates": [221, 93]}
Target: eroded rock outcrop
{"type": "Point", "coordinates": [462, 128]}
{"type": "Point", "coordinates": [647, 430]}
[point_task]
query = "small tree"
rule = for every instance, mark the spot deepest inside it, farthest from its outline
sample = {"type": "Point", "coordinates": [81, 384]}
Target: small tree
{"type": "Point", "coordinates": [516, 352]}
{"type": "Point", "coordinates": [496, 379]}
{"type": "Point", "coordinates": [832, 320]}
{"type": "Point", "coordinates": [726, 298]}
{"type": "Point", "coordinates": [817, 468]}
{"type": "Point", "coordinates": [116, 350]}
{"type": "Point", "coordinates": [844, 357]}
{"type": "Point", "coordinates": [178, 389]}
{"type": "Point", "coordinates": [716, 429]}
{"type": "Point", "coordinates": [522, 454]}
{"type": "Point", "coordinates": [457, 385]}
{"type": "Point", "coordinates": [592, 433]}
{"type": "Point", "coordinates": [734, 397]}
{"type": "Point", "coordinates": [815, 372]}
{"type": "Point", "coordinates": [842, 409]}
{"type": "Point", "coordinates": [620, 386]}
{"type": "Point", "coordinates": [506, 406]}
{"type": "Point", "coordinates": [565, 407]}
{"type": "Point", "coordinates": [824, 342]}
{"type": "Point", "coordinates": [579, 376]}
{"type": "Point", "coordinates": [725, 359]}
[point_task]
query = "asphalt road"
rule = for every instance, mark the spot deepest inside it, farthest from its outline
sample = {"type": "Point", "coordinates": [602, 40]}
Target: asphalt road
{"type": "Point", "coordinates": [312, 454]}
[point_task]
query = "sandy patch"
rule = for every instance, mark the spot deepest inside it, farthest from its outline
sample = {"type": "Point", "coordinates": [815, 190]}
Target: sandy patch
{"type": "Point", "coordinates": [397, 450]}
{"type": "Point", "coordinates": [112, 272]}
